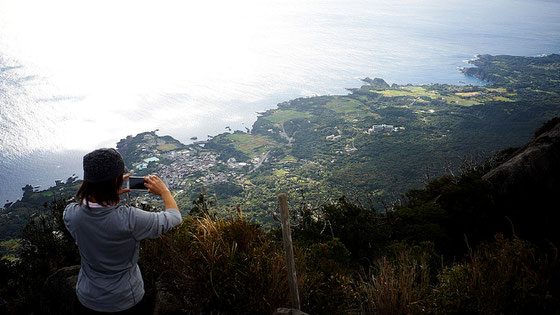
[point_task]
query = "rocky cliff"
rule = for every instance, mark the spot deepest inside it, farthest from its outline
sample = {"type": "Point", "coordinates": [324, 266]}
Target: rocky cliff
{"type": "Point", "coordinates": [527, 186]}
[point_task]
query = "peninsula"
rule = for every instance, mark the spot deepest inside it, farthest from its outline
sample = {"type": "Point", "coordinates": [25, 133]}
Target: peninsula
{"type": "Point", "coordinates": [375, 143]}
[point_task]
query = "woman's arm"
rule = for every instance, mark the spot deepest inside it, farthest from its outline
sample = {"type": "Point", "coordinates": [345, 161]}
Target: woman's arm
{"type": "Point", "coordinates": [157, 187]}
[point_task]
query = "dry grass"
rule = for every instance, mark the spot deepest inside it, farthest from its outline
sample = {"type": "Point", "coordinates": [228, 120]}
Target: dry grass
{"type": "Point", "coordinates": [221, 265]}
{"type": "Point", "coordinates": [397, 286]}
{"type": "Point", "coordinates": [231, 266]}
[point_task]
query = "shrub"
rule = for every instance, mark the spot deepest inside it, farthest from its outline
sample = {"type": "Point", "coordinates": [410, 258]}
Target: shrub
{"type": "Point", "coordinates": [361, 230]}
{"type": "Point", "coordinates": [327, 284]}
{"type": "Point", "coordinates": [329, 258]}
{"type": "Point", "coordinates": [220, 265]}
{"type": "Point", "coordinates": [507, 277]}
{"type": "Point", "coordinates": [46, 246]}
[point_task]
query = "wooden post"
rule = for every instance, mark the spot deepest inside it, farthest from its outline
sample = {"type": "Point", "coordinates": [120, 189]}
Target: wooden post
{"type": "Point", "coordinates": [290, 262]}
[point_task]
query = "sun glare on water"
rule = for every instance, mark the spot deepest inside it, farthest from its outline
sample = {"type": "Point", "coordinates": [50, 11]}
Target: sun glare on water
{"type": "Point", "coordinates": [93, 72]}
{"type": "Point", "coordinates": [119, 67]}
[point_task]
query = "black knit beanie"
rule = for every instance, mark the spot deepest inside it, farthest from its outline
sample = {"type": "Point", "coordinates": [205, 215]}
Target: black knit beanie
{"type": "Point", "coordinates": [102, 164]}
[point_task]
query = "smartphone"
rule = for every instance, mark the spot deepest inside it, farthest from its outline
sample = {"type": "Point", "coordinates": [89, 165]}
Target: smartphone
{"type": "Point", "coordinates": [136, 183]}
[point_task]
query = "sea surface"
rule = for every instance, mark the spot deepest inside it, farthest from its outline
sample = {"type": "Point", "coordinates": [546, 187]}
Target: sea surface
{"type": "Point", "coordinates": [78, 76]}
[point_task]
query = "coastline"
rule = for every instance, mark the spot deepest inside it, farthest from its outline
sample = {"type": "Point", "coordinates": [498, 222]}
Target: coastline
{"type": "Point", "coordinates": [204, 138]}
{"type": "Point", "coordinates": [376, 139]}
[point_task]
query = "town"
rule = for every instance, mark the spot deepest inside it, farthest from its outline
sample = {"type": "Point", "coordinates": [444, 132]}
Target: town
{"type": "Point", "coordinates": [181, 166]}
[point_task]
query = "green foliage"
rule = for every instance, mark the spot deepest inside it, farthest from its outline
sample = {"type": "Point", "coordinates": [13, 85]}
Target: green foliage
{"type": "Point", "coordinates": [227, 150]}
{"type": "Point", "coordinates": [131, 148]}
{"type": "Point", "coordinates": [362, 230]}
{"type": "Point", "coordinates": [14, 218]}
{"type": "Point", "coordinates": [447, 211]}
{"type": "Point", "coordinates": [227, 190]}
{"type": "Point", "coordinates": [529, 71]}
{"type": "Point", "coordinates": [372, 262]}
{"type": "Point", "coordinates": [327, 274]}
{"type": "Point", "coordinates": [441, 125]}
{"type": "Point", "coordinates": [329, 258]}
{"type": "Point", "coordinates": [46, 246]}
{"type": "Point", "coordinates": [201, 206]}
{"type": "Point", "coordinates": [503, 277]}
{"type": "Point", "coordinates": [9, 249]}
{"type": "Point", "coordinates": [320, 295]}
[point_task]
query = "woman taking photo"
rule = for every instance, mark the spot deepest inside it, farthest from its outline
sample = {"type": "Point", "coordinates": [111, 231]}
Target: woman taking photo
{"type": "Point", "coordinates": [108, 234]}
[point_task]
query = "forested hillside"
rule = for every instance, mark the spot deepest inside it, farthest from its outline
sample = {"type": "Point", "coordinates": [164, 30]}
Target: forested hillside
{"type": "Point", "coordinates": [379, 140]}
{"type": "Point", "coordinates": [376, 142]}
{"type": "Point", "coordinates": [482, 241]}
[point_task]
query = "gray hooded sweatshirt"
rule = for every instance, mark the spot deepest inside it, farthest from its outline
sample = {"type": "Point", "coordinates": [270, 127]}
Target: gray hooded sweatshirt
{"type": "Point", "coordinates": [109, 241]}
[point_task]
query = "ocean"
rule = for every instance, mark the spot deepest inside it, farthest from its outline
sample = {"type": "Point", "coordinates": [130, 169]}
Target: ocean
{"type": "Point", "coordinates": [78, 76]}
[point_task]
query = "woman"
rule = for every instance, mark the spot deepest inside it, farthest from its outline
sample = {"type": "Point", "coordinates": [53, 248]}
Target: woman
{"type": "Point", "coordinates": [108, 234]}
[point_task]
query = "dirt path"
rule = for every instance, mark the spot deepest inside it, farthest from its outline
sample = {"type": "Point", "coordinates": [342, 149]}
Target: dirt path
{"type": "Point", "coordinates": [285, 135]}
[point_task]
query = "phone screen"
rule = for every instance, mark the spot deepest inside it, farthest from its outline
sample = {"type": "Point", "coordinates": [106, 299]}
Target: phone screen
{"type": "Point", "coordinates": [136, 183]}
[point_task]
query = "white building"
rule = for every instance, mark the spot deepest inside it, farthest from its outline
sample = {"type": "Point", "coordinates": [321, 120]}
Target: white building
{"type": "Point", "coordinates": [381, 128]}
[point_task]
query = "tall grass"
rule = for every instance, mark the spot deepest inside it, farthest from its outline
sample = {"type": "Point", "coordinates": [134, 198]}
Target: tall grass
{"type": "Point", "coordinates": [395, 286]}
{"type": "Point", "coordinates": [220, 265]}
{"type": "Point", "coordinates": [503, 277]}
{"type": "Point", "coordinates": [229, 265]}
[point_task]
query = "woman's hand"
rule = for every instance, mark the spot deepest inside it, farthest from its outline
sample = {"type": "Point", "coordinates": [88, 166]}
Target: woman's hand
{"type": "Point", "coordinates": [121, 190]}
{"type": "Point", "coordinates": [155, 185]}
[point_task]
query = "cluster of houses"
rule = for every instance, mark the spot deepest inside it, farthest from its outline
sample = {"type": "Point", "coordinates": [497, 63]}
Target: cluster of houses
{"type": "Point", "coordinates": [186, 163]}
{"type": "Point", "coordinates": [188, 167]}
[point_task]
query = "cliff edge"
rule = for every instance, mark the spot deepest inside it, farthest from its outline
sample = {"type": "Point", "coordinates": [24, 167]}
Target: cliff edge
{"type": "Point", "coordinates": [526, 186]}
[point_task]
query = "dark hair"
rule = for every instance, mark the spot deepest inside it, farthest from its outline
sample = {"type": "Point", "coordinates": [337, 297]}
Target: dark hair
{"type": "Point", "coordinates": [104, 193]}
